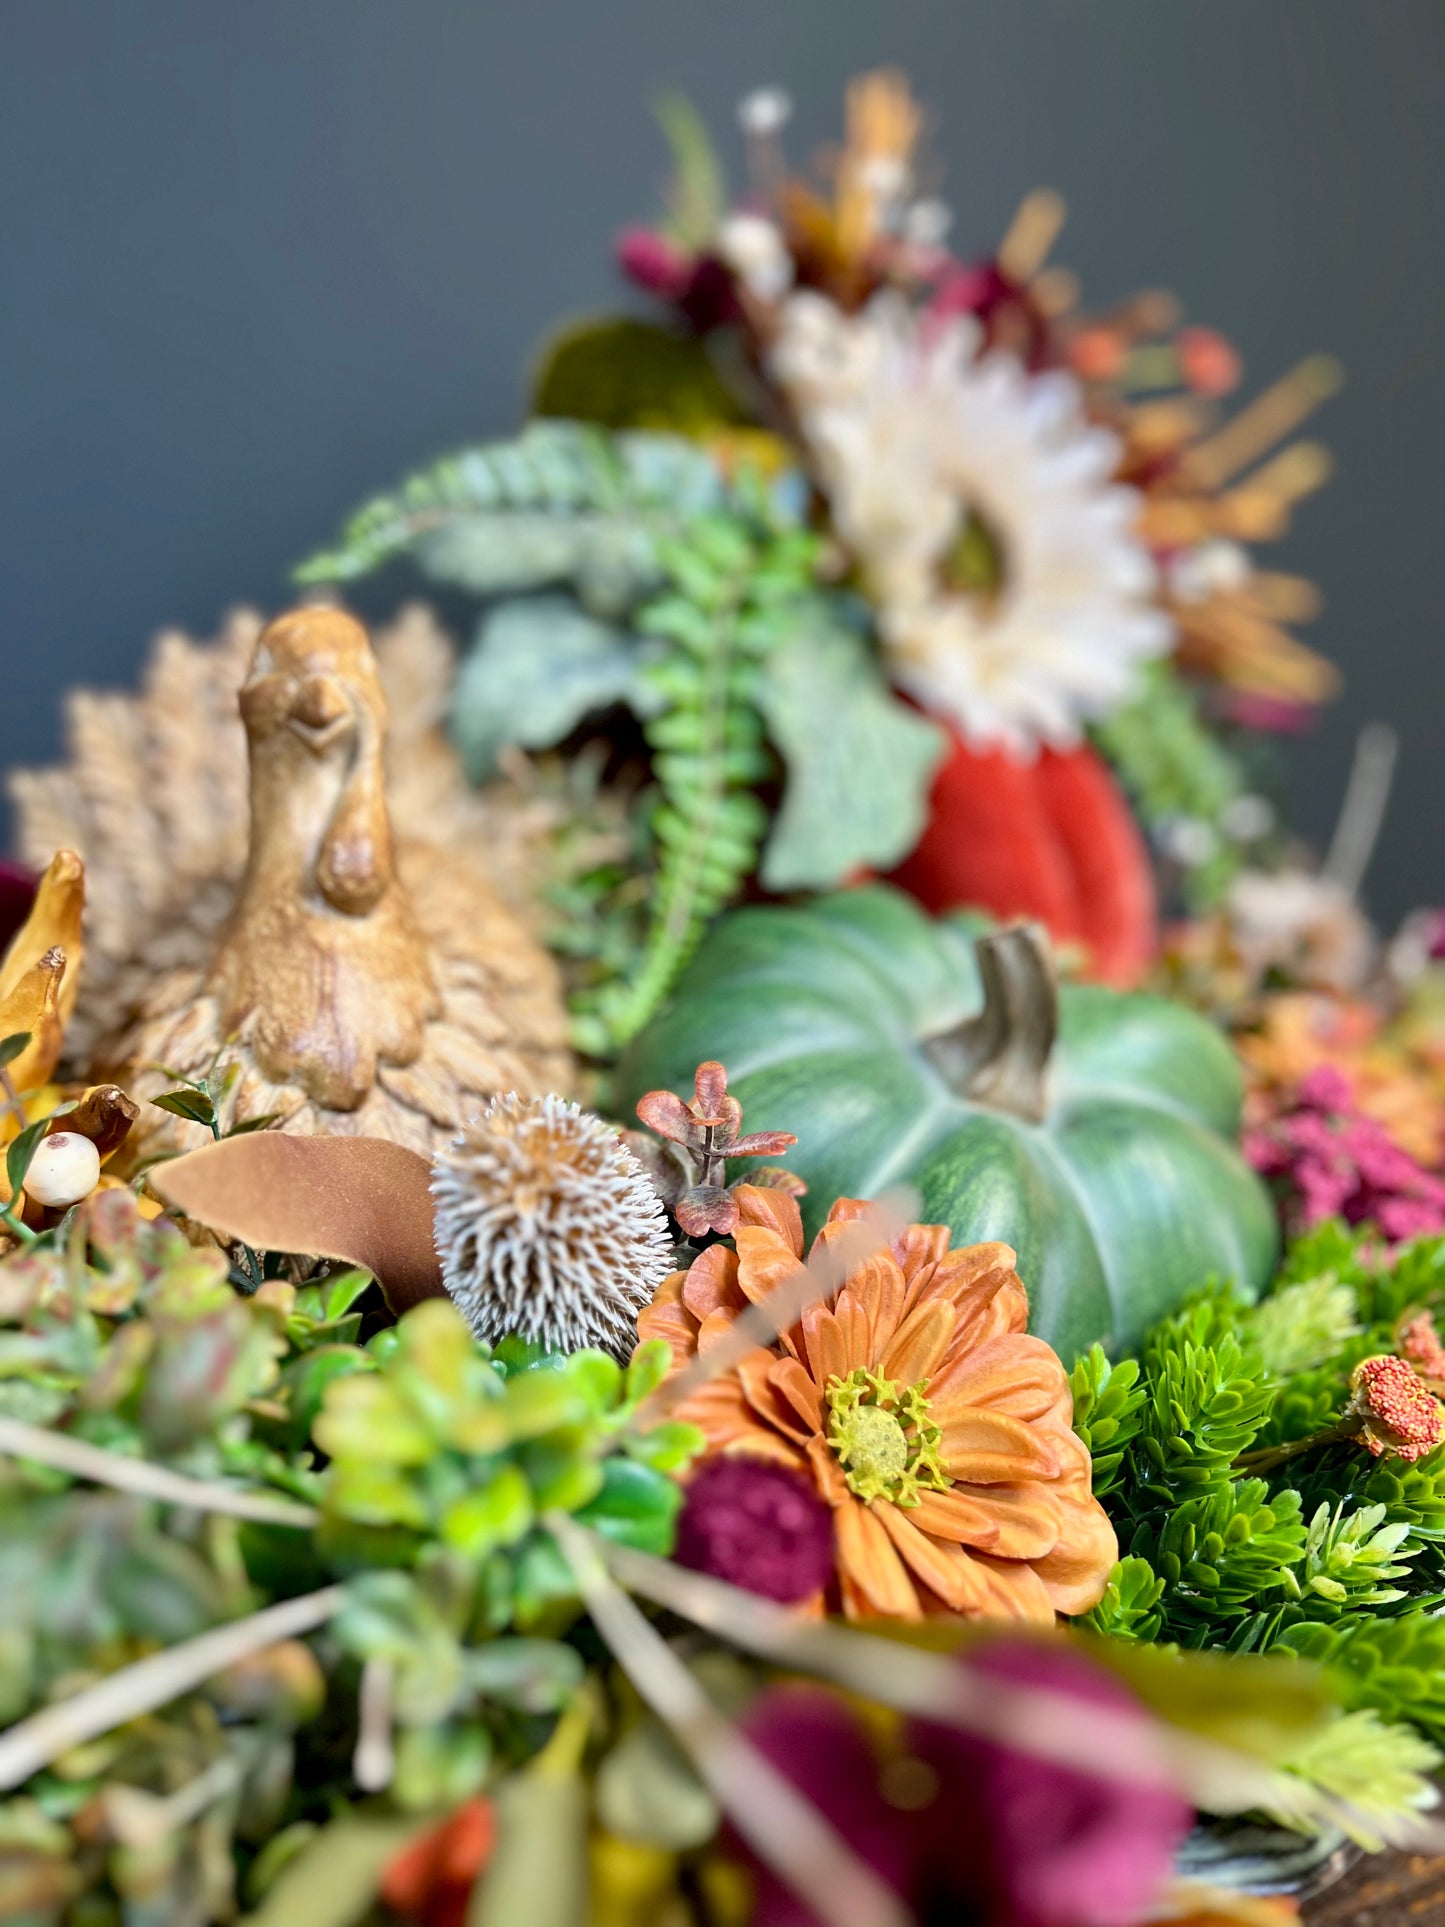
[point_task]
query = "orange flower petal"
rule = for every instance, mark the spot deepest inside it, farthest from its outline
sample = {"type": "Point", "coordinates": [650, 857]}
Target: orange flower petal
{"type": "Point", "coordinates": [793, 1384]}
{"type": "Point", "coordinates": [1012, 1373]}
{"type": "Point", "coordinates": [771, 1446]}
{"type": "Point", "coordinates": [1015, 1590]}
{"type": "Point", "coordinates": [1026, 1518]}
{"type": "Point", "coordinates": [867, 1555]}
{"type": "Point", "coordinates": [667, 1318]}
{"type": "Point", "coordinates": [826, 1346]}
{"type": "Point", "coordinates": [956, 1515]}
{"type": "Point", "coordinates": [755, 1375]}
{"type": "Point", "coordinates": [775, 1211]}
{"type": "Point", "coordinates": [990, 1448]}
{"type": "Point", "coordinates": [920, 1343]}
{"type": "Point", "coordinates": [945, 1570]}
{"type": "Point", "coordinates": [1076, 1572]}
{"type": "Point", "coordinates": [764, 1261]}
{"type": "Point", "coordinates": [827, 1471]}
{"type": "Point", "coordinates": [850, 1310]}
{"type": "Point", "coordinates": [920, 1248]}
{"type": "Point", "coordinates": [711, 1283]}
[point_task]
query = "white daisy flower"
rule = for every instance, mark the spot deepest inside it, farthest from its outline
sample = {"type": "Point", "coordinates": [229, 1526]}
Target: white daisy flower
{"type": "Point", "coordinates": [932, 451]}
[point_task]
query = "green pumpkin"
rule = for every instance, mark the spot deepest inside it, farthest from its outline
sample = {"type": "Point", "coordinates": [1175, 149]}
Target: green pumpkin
{"type": "Point", "coordinates": [901, 1050]}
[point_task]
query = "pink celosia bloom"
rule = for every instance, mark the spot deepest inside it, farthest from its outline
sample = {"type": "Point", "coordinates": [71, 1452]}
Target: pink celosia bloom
{"type": "Point", "coordinates": [1328, 1160]}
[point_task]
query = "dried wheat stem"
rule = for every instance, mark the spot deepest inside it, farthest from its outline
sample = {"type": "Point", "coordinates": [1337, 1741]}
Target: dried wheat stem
{"type": "Point", "coordinates": [154, 1682]}
{"type": "Point", "coordinates": [19, 1440]}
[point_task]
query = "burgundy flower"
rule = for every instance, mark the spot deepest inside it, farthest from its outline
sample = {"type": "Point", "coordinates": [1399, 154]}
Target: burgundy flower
{"type": "Point", "coordinates": [758, 1526]}
{"type": "Point", "coordinates": [965, 1828]}
{"type": "Point", "coordinates": [17, 894]}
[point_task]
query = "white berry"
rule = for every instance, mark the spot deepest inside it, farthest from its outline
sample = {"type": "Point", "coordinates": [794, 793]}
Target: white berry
{"type": "Point", "coordinates": [64, 1169]}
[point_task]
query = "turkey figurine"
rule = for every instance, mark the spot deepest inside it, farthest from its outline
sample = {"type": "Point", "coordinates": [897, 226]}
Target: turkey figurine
{"type": "Point", "coordinates": [350, 981]}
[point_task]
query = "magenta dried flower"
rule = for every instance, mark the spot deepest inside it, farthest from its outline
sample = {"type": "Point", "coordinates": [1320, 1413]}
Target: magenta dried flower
{"type": "Point", "coordinates": [758, 1526]}
{"type": "Point", "coordinates": [965, 1828]}
{"type": "Point", "coordinates": [1329, 1160]}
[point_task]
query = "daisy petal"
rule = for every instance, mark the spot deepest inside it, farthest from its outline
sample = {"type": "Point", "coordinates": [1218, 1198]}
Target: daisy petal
{"type": "Point", "coordinates": [712, 1283]}
{"type": "Point", "coordinates": [919, 1345]}
{"type": "Point", "coordinates": [945, 1570]}
{"type": "Point", "coordinates": [1013, 1373]}
{"type": "Point", "coordinates": [770, 1210]}
{"type": "Point", "coordinates": [990, 1448]}
{"type": "Point", "coordinates": [1015, 1591]}
{"type": "Point", "coordinates": [1025, 1518]}
{"type": "Point", "coordinates": [867, 1555]}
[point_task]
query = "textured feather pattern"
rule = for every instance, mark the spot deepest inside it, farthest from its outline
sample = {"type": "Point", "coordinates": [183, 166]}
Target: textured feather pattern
{"type": "Point", "coordinates": [155, 797]}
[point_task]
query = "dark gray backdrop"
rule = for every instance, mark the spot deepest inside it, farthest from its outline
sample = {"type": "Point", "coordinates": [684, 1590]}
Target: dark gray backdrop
{"type": "Point", "coordinates": [260, 258]}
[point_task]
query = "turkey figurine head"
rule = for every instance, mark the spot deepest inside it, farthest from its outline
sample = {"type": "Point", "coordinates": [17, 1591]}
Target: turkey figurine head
{"type": "Point", "coordinates": [322, 966]}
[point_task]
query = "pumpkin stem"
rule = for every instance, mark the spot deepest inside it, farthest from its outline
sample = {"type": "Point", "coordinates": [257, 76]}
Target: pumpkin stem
{"type": "Point", "coordinates": [1001, 1056]}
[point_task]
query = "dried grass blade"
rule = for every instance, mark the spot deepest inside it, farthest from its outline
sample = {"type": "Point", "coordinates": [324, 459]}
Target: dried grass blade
{"type": "Point", "coordinates": [18, 1440]}
{"type": "Point", "coordinates": [154, 1682]}
{"type": "Point", "coordinates": [782, 1827]}
{"type": "Point", "coordinates": [1050, 1726]}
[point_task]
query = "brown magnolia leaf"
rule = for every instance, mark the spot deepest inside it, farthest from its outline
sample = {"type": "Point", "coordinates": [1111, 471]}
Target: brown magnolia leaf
{"type": "Point", "coordinates": [710, 1089]}
{"type": "Point", "coordinates": [361, 1199]}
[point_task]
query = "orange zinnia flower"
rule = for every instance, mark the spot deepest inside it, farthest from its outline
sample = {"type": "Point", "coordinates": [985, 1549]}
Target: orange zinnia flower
{"type": "Point", "coordinates": [938, 1430]}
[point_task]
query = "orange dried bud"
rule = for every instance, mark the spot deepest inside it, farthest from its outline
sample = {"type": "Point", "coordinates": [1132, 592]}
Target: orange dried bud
{"type": "Point", "coordinates": [1098, 354]}
{"type": "Point", "coordinates": [1209, 364]}
{"type": "Point", "coordinates": [1397, 1415]}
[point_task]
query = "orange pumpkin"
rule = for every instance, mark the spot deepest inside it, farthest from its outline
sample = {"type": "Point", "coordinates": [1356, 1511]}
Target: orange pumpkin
{"type": "Point", "coordinates": [1052, 839]}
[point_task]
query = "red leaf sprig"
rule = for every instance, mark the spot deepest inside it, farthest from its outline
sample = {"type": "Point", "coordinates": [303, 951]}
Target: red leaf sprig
{"type": "Point", "coordinates": [706, 1134]}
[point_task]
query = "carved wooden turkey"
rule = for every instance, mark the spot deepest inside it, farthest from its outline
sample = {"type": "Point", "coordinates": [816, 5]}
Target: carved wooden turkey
{"type": "Point", "coordinates": [363, 983]}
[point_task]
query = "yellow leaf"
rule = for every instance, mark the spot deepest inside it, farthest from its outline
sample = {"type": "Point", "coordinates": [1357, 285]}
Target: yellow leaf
{"type": "Point", "coordinates": [54, 922]}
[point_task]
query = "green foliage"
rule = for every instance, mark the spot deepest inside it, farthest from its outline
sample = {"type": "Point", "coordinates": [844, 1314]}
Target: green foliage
{"type": "Point", "coordinates": [859, 761]}
{"type": "Point", "coordinates": [1205, 1405]}
{"type": "Point", "coordinates": [1329, 1553]}
{"type": "Point", "coordinates": [431, 1464]}
{"type": "Point", "coordinates": [1129, 1608]}
{"type": "Point", "coordinates": [1176, 770]}
{"type": "Point", "coordinates": [562, 503]}
{"type": "Point", "coordinates": [1382, 1772]}
{"type": "Point", "coordinates": [734, 590]}
{"type": "Point", "coordinates": [697, 197]}
{"type": "Point", "coordinates": [1303, 1325]}
{"type": "Point", "coordinates": [1221, 1551]}
{"type": "Point", "coordinates": [1394, 1665]}
{"type": "Point", "coordinates": [620, 372]}
{"type": "Point", "coordinates": [1108, 1412]}
{"type": "Point", "coordinates": [539, 666]}
{"type": "Point", "coordinates": [1349, 1558]}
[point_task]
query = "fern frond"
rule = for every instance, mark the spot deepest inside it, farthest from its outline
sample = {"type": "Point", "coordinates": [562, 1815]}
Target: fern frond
{"type": "Point", "coordinates": [562, 502]}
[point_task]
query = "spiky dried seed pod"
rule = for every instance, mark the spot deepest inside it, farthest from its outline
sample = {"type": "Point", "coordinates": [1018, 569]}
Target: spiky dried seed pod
{"type": "Point", "coordinates": [547, 1225]}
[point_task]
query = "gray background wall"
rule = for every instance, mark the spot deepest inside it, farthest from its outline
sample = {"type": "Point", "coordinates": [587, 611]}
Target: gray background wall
{"type": "Point", "coordinates": [259, 259]}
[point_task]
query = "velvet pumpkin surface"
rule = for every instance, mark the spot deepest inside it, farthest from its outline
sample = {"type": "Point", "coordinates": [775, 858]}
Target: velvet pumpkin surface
{"type": "Point", "coordinates": [841, 1020]}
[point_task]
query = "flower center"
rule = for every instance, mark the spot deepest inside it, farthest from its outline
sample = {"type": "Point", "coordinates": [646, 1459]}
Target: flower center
{"type": "Point", "coordinates": [885, 1440]}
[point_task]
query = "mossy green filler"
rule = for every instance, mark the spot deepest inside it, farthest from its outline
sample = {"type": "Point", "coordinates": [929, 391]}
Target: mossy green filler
{"type": "Point", "coordinates": [1119, 1200]}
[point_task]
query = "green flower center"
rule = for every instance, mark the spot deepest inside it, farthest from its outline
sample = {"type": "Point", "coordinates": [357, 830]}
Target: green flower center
{"type": "Point", "coordinates": [885, 1440]}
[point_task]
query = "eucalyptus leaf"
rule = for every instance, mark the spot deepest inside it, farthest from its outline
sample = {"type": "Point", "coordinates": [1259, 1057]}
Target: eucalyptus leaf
{"type": "Point", "coordinates": [189, 1103]}
{"type": "Point", "coordinates": [859, 761]}
{"type": "Point", "coordinates": [11, 1046]}
{"type": "Point", "coordinates": [538, 667]}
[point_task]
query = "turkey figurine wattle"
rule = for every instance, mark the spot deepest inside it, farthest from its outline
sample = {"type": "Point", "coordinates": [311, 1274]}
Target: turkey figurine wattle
{"type": "Point", "coordinates": [1049, 837]}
